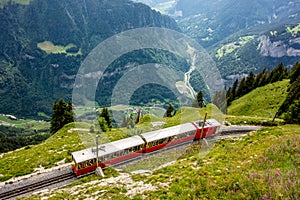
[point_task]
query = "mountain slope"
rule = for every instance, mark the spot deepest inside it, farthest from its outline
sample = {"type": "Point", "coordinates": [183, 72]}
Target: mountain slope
{"type": "Point", "coordinates": [43, 43]}
{"type": "Point", "coordinates": [262, 102]}
{"type": "Point", "coordinates": [253, 50]}
{"type": "Point", "coordinates": [241, 36]}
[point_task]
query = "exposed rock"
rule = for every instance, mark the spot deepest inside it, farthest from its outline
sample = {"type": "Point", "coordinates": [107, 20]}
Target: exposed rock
{"type": "Point", "coordinates": [277, 49]}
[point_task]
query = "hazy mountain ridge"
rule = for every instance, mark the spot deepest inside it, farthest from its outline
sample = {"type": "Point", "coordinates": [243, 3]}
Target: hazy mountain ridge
{"type": "Point", "coordinates": [212, 21]}
{"type": "Point", "coordinates": [242, 53]}
{"type": "Point", "coordinates": [44, 42]}
{"type": "Point", "coordinates": [241, 36]}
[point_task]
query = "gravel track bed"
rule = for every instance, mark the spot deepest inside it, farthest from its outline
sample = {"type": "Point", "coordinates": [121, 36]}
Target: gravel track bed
{"type": "Point", "coordinates": [39, 178]}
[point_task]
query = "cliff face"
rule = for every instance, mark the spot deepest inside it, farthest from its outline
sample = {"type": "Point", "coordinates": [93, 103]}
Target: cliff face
{"type": "Point", "coordinates": [43, 43]}
{"type": "Point", "coordinates": [279, 48]}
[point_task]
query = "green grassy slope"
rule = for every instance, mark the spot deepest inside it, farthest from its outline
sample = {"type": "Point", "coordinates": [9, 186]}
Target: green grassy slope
{"type": "Point", "coordinates": [46, 154]}
{"type": "Point", "coordinates": [261, 102]}
{"type": "Point", "coordinates": [262, 165]}
{"type": "Point", "coordinates": [59, 146]}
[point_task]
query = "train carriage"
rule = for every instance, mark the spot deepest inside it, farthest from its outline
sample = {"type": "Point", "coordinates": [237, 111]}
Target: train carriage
{"type": "Point", "coordinates": [158, 139]}
{"type": "Point", "coordinates": [120, 151]}
{"type": "Point", "coordinates": [111, 153]}
{"type": "Point", "coordinates": [210, 128]}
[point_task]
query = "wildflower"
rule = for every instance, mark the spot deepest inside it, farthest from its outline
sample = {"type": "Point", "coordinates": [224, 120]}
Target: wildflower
{"type": "Point", "coordinates": [251, 177]}
{"type": "Point", "coordinates": [277, 173]}
{"type": "Point", "coordinates": [265, 197]}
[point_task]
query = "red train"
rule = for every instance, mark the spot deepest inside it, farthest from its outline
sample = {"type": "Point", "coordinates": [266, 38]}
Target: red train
{"type": "Point", "coordinates": [84, 161]}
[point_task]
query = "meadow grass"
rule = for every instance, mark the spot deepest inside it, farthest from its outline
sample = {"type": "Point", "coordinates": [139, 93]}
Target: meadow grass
{"type": "Point", "coordinates": [248, 120]}
{"type": "Point", "coordinates": [46, 154]}
{"type": "Point", "coordinates": [189, 114]}
{"type": "Point", "coordinates": [23, 2]}
{"type": "Point", "coordinates": [50, 48]}
{"type": "Point", "coordinates": [263, 165]}
{"type": "Point", "coordinates": [294, 31]}
{"type": "Point", "coordinates": [258, 104]}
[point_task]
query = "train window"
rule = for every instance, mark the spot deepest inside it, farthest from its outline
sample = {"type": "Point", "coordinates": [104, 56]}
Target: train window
{"type": "Point", "coordinates": [137, 148]}
{"type": "Point", "coordinates": [105, 157]}
{"type": "Point", "coordinates": [150, 144]}
{"type": "Point", "coordinates": [89, 163]}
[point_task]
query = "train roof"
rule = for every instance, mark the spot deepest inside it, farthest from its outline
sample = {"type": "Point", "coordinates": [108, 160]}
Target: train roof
{"type": "Point", "coordinates": [108, 148]}
{"type": "Point", "coordinates": [168, 132]}
{"type": "Point", "coordinates": [208, 123]}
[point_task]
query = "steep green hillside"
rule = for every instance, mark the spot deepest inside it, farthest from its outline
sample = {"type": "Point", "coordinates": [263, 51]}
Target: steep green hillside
{"type": "Point", "coordinates": [262, 102]}
{"type": "Point", "coordinates": [262, 165]}
{"type": "Point", "coordinates": [24, 161]}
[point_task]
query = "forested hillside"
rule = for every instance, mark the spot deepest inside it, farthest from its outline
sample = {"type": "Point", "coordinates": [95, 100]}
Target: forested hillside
{"type": "Point", "coordinates": [43, 43]}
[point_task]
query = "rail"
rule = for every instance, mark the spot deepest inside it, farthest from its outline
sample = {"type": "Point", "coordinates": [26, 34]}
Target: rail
{"type": "Point", "coordinates": [35, 186]}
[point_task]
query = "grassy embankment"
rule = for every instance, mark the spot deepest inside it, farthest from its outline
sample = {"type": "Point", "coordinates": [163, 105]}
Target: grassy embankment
{"type": "Point", "coordinates": [263, 165]}
{"type": "Point", "coordinates": [59, 146]}
{"type": "Point", "coordinates": [261, 102]}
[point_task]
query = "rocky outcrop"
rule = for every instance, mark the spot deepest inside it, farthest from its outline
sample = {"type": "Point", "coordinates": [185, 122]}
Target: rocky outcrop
{"type": "Point", "coordinates": [278, 49]}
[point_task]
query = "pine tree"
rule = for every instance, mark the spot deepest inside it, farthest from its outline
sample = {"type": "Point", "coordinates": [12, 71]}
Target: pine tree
{"type": "Point", "coordinates": [62, 115]}
{"type": "Point", "coordinates": [103, 124]}
{"type": "Point", "coordinates": [295, 73]}
{"type": "Point", "coordinates": [293, 114]}
{"type": "Point", "coordinates": [138, 116]}
{"type": "Point", "coordinates": [219, 99]}
{"type": "Point", "coordinates": [199, 101]}
{"type": "Point", "coordinates": [250, 81]}
{"type": "Point", "coordinates": [234, 89]}
{"type": "Point", "coordinates": [242, 89]}
{"type": "Point", "coordinates": [170, 111]}
{"type": "Point", "coordinates": [293, 95]}
{"type": "Point", "coordinates": [106, 116]}
{"type": "Point", "coordinates": [278, 74]}
{"type": "Point", "coordinates": [259, 78]}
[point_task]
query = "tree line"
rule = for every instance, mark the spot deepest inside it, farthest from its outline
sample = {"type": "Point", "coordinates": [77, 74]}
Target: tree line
{"type": "Point", "coordinates": [288, 109]}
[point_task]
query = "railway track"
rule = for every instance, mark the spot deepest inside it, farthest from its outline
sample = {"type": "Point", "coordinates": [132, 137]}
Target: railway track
{"type": "Point", "coordinates": [16, 192]}
{"type": "Point", "coordinates": [38, 185]}
{"type": "Point", "coordinates": [238, 129]}
{"type": "Point", "coordinates": [235, 131]}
